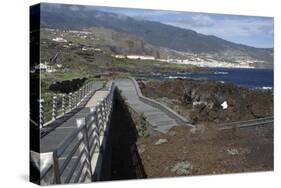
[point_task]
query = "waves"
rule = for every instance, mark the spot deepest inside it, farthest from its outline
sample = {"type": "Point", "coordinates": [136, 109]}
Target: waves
{"type": "Point", "coordinates": [221, 72]}
{"type": "Point", "coordinates": [260, 79]}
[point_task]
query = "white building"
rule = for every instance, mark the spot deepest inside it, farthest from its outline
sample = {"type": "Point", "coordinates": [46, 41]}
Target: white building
{"type": "Point", "coordinates": [119, 56]}
{"type": "Point", "coordinates": [59, 39]}
{"type": "Point", "coordinates": [140, 57]}
{"type": "Point", "coordinates": [44, 67]}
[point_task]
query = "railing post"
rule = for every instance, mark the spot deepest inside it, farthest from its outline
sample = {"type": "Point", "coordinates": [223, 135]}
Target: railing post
{"type": "Point", "coordinates": [44, 163]}
{"type": "Point", "coordinates": [84, 91]}
{"type": "Point", "coordinates": [94, 118]}
{"type": "Point", "coordinates": [76, 98]}
{"type": "Point", "coordinates": [97, 124]}
{"type": "Point", "coordinates": [54, 109]}
{"type": "Point", "coordinates": [81, 125]}
{"type": "Point", "coordinates": [57, 176]}
{"type": "Point", "coordinates": [41, 112]}
{"type": "Point", "coordinates": [63, 104]}
{"type": "Point", "coordinates": [101, 120]}
{"type": "Point", "coordinates": [104, 112]}
{"type": "Point", "coordinates": [70, 101]}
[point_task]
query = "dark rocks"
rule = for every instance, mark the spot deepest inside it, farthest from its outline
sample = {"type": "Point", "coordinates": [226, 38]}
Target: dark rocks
{"type": "Point", "coordinates": [67, 86]}
{"type": "Point", "coordinates": [212, 101]}
{"type": "Point", "coordinates": [182, 168]}
{"type": "Point", "coordinates": [212, 96]}
{"type": "Point", "coordinates": [141, 85]}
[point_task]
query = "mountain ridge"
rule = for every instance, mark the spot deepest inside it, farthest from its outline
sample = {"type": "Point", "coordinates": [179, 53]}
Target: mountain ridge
{"type": "Point", "coordinates": [155, 33]}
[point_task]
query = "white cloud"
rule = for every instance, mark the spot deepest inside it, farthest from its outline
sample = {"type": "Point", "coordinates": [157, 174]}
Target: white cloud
{"type": "Point", "coordinates": [198, 20]}
{"type": "Point", "coordinates": [225, 27]}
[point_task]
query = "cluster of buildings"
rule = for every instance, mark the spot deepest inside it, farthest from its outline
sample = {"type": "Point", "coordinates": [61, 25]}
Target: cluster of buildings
{"type": "Point", "coordinates": [141, 57]}
{"type": "Point", "coordinates": [46, 67]}
{"type": "Point", "coordinates": [207, 60]}
{"type": "Point", "coordinates": [59, 39]}
{"type": "Point", "coordinates": [213, 63]}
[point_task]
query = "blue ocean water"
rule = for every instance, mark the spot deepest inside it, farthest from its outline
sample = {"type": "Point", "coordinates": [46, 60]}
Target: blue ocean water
{"type": "Point", "coordinates": [250, 78]}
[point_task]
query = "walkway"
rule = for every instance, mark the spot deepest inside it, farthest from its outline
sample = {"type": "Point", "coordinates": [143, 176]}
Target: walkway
{"type": "Point", "coordinates": [159, 120]}
{"type": "Point", "coordinates": [51, 140]}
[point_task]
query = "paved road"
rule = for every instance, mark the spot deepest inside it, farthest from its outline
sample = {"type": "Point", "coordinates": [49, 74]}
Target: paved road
{"type": "Point", "coordinates": [159, 120]}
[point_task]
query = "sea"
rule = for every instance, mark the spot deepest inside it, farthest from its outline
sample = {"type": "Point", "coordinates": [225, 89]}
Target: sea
{"type": "Point", "coordinates": [243, 77]}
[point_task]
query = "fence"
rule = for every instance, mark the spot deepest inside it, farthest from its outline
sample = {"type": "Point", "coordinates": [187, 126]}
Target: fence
{"type": "Point", "coordinates": [61, 104]}
{"type": "Point", "coordinates": [247, 123]}
{"type": "Point", "coordinates": [78, 158]}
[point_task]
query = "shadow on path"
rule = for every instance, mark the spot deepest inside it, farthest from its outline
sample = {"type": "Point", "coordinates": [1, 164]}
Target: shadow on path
{"type": "Point", "coordinates": [125, 159]}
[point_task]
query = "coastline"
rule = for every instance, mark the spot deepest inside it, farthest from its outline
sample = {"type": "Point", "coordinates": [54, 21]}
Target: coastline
{"type": "Point", "coordinates": [201, 101]}
{"type": "Point", "coordinates": [260, 79]}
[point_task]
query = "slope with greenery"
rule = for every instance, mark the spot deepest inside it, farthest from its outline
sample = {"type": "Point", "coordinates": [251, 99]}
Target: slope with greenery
{"type": "Point", "coordinates": [155, 33]}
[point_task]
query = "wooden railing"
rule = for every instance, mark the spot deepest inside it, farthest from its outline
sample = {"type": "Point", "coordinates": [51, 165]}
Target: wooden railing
{"type": "Point", "coordinates": [78, 158]}
{"type": "Point", "coordinates": [61, 104]}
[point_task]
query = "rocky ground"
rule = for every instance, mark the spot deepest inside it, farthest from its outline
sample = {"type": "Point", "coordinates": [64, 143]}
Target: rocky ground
{"type": "Point", "coordinates": [184, 151]}
{"type": "Point", "coordinates": [212, 102]}
{"type": "Point", "coordinates": [205, 149]}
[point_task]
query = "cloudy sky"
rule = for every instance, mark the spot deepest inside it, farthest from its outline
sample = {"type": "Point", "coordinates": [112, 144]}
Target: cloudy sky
{"type": "Point", "coordinates": [248, 30]}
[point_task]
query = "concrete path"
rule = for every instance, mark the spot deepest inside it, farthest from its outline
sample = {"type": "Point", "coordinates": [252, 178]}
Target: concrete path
{"type": "Point", "coordinates": [52, 140]}
{"type": "Point", "coordinates": [159, 120]}
{"type": "Point", "coordinates": [99, 95]}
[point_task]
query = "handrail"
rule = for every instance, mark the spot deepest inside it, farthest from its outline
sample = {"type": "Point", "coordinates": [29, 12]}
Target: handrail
{"type": "Point", "coordinates": [171, 113]}
{"type": "Point", "coordinates": [75, 159]}
{"type": "Point", "coordinates": [68, 102]}
{"type": "Point", "coordinates": [247, 123]}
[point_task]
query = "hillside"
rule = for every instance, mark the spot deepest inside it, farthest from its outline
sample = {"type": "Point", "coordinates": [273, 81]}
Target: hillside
{"type": "Point", "coordinates": [155, 33]}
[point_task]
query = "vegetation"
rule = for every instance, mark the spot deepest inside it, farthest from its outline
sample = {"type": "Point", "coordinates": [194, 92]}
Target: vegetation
{"type": "Point", "coordinates": [155, 33]}
{"type": "Point", "coordinates": [142, 126]}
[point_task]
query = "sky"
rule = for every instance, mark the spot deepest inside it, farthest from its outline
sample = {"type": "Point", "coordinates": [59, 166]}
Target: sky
{"type": "Point", "coordinates": [249, 30]}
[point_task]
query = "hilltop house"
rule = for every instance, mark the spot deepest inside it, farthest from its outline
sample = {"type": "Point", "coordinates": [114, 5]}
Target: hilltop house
{"type": "Point", "coordinates": [44, 67]}
{"type": "Point", "coordinates": [59, 39]}
{"type": "Point", "coordinates": [142, 57]}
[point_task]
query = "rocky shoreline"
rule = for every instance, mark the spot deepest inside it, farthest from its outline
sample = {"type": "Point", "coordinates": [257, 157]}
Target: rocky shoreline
{"type": "Point", "coordinates": [183, 150]}
{"type": "Point", "coordinates": [212, 102]}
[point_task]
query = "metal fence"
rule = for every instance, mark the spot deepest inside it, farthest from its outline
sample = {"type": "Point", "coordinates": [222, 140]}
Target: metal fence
{"type": "Point", "coordinates": [60, 104]}
{"type": "Point", "coordinates": [78, 157]}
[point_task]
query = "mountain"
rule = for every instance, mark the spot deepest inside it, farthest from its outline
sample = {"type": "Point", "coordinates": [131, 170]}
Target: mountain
{"type": "Point", "coordinates": [155, 33]}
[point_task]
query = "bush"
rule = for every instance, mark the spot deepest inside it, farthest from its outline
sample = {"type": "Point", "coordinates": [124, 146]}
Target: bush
{"type": "Point", "coordinates": [141, 126]}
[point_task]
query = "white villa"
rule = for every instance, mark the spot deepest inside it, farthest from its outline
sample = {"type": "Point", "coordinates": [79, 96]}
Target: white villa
{"type": "Point", "coordinates": [59, 39]}
{"type": "Point", "coordinates": [44, 67]}
{"type": "Point", "coordinates": [142, 57]}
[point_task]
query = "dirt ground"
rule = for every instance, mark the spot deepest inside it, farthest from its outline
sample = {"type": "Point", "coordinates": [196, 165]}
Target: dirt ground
{"type": "Point", "coordinates": [189, 151]}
